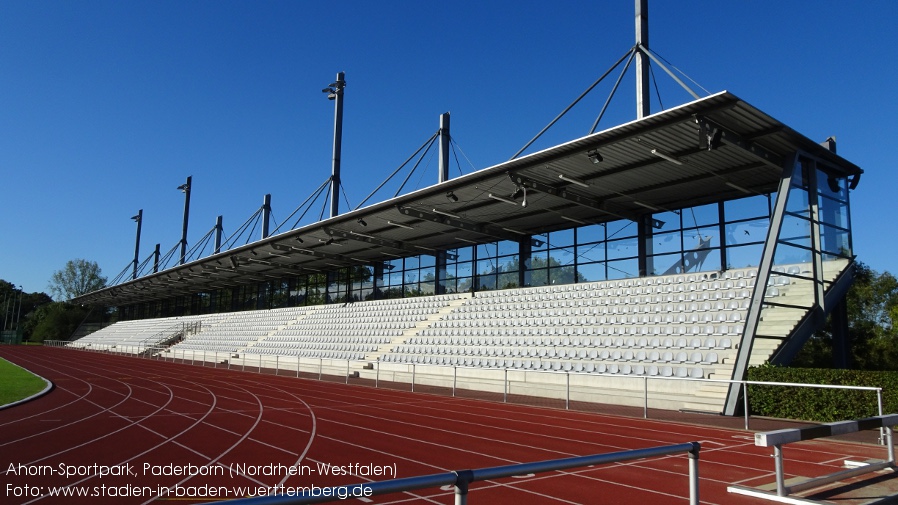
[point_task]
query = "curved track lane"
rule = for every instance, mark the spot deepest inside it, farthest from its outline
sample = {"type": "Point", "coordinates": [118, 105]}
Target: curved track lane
{"type": "Point", "coordinates": [242, 431]}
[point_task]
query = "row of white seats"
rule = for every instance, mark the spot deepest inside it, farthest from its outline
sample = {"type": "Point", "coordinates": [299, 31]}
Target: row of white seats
{"type": "Point", "coordinates": [518, 320]}
{"type": "Point", "coordinates": [646, 331]}
{"type": "Point", "coordinates": [531, 310]}
{"type": "Point", "coordinates": [375, 310]}
{"type": "Point", "coordinates": [596, 299]}
{"type": "Point", "coordinates": [642, 356]}
{"type": "Point", "coordinates": [332, 340]}
{"type": "Point", "coordinates": [560, 366]}
{"type": "Point", "coordinates": [347, 324]}
{"type": "Point", "coordinates": [607, 342]}
{"type": "Point", "coordinates": [318, 346]}
{"type": "Point", "coordinates": [305, 354]}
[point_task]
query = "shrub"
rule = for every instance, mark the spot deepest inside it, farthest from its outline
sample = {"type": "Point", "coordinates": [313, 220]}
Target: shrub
{"type": "Point", "coordinates": [814, 404]}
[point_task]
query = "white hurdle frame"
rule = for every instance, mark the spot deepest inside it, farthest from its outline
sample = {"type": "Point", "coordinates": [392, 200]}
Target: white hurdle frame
{"type": "Point", "coordinates": [778, 438]}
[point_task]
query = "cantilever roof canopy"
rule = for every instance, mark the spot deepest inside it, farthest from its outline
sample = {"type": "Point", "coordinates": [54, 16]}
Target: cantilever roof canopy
{"type": "Point", "coordinates": [716, 148]}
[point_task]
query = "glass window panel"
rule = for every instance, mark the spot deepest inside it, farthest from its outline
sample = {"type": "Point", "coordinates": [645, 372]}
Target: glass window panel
{"type": "Point", "coordinates": [796, 231]}
{"type": "Point", "coordinates": [539, 277]}
{"type": "Point", "coordinates": [394, 278]}
{"type": "Point", "coordinates": [666, 263]}
{"type": "Point", "coordinates": [746, 256]}
{"type": "Point", "coordinates": [622, 229]}
{"type": "Point", "coordinates": [832, 187]}
{"type": "Point", "coordinates": [798, 202]}
{"type": "Point", "coordinates": [591, 252]}
{"type": "Point", "coordinates": [487, 282]}
{"type": "Point", "coordinates": [671, 221]}
{"type": "Point", "coordinates": [427, 260]}
{"type": "Point", "coordinates": [623, 248]}
{"type": "Point", "coordinates": [833, 212]}
{"type": "Point", "coordinates": [464, 269]}
{"type": "Point", "coordinates": [746, 208]}
{"type": "Point", "coordinates": [622, 269]}
{"type": "Point", "coordinates": [561, 256]}
{"type": "Point", "coordinates": [835, 240]}
{"type": "Point", "coordinates": [507, 247]}
{"type": "Point", "coordinates": [747, 232]}
{"type": "Point", "coordinates": [427, 285]}
{"type": "Point", "coordinates": [709, 260]}
{"type": "Point", "coordinates": [702, 215]}
{"type": "Point", "coordinates": [703, 238]}
{"type": "Point", "coordinates": [412, 262]}
{"type": "Point", "coordinates": [508, 280]}
{"type": "Point", "coordinates": [561, 275]}
{"type": "Point", "coordinates": [666, 242]}
{"type": "Point", "coordinates": [487, 250]}
{"type": "Point", "coordinates": [486, 266]}
{"type": "Point", "coordinates": [591, 233]}
{"type": "Point", "coordinates": [464, 284]}
{"type": "Point", "coordinates": [590, 272]}
{"type": "Point", "coordinates": [464, 254]}
{"type": "Point", "coordinates": [788, 255]}
{"type": "Point", "coordinates": [539, 259]}
{"type": "Point", "coordinates": [508, 264]}
{"type": "Point", "coordinates": [561, 238]}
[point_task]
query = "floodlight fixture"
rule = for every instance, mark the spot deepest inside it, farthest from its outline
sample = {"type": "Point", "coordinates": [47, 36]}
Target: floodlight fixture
{"type": "Point", "coordinates": [361, 222]}
{"type": "Point", "coordinates": [645, 205]}
{"type": "Point", "coordinates": [740, 188]}
{"type": "Point", "coordinates": [666, 157]}
{"type": "Point", "coordinates": [573, 180]}
{"type": "Point", "coordinates": [595, 157]}
{"type": "Point", "coordinates": [451, 196]}
{"type": "Point", "coordinates": [400, 225]}
{"type": "Point", "coordinates": [573, 220]}
{"type": "Point", "coordinates": [502, 199]}
{"type": "Point", "coordinates": [447, 214]}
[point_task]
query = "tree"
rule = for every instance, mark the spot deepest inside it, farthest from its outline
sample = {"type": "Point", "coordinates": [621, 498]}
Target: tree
{"type": "Point", "coordinates": [56, 321]}
{"type": "Point", "coordinates": [872, 325]}
{"type": "Point", "coordinates": [79, 277]}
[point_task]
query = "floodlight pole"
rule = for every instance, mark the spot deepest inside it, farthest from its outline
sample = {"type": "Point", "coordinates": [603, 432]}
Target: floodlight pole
{"type": "Point", "coordinates": [156, 260]}
{"type": "Point", "coordinates": [218, 231]}
{"type": "Point", "coordinates": [643, 95]}
{"type": "Point", "coordinates": [139, 219]}
{"type": "Point", "coordinates": [444, 147]}
{"type": "Point", "coordinates": [186, 189]}
{"type": "Point", "coordinates": [336, 94]}
{"type": "Point", "coordinates": [266, 214]}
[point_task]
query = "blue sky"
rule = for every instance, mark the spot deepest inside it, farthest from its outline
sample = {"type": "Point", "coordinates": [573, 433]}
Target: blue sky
{"type": "Point", "coordinates": [107, 106]}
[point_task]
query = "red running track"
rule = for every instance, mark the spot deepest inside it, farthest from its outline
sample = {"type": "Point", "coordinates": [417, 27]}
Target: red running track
{"type": "Point", "coordinates": [141, 417]}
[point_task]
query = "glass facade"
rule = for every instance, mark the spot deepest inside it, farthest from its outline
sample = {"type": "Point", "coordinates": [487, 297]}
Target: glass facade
{"type": "Point", "coordinates": [713, 237]}
{"type": "Point", "coordinates": [814, 241]}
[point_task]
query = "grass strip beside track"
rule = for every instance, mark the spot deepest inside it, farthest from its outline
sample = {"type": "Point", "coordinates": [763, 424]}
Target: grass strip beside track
{"type": "Point", "coordinates": [17, 383]}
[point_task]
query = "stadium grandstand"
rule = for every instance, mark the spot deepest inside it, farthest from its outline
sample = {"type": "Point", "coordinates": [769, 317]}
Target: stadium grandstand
{"type": "Point", "coordinates": [690, 243]}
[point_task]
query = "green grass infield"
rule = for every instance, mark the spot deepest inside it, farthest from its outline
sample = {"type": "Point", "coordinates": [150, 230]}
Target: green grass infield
{"type": "Point", "coordinates": [17, 383]}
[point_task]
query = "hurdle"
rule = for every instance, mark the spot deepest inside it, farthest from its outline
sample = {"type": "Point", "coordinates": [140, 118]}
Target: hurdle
{"type": "Point", "coordinates": [778, 438]}
{"type": "Point", "coordinates": [461, 479]}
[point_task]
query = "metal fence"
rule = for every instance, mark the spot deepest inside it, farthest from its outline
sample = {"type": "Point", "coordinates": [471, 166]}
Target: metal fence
{"type": "Point", "coordinates": [631, 395]}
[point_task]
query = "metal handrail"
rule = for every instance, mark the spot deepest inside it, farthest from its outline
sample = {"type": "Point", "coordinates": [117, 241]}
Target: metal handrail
{"type": "Point", "coordinates": [461, 479]}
